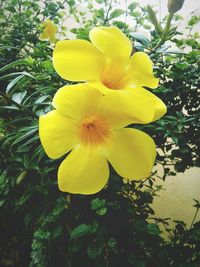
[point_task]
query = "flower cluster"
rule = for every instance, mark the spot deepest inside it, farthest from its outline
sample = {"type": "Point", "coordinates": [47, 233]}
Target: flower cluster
{"type": "Point", "coordinates": [90, 118]}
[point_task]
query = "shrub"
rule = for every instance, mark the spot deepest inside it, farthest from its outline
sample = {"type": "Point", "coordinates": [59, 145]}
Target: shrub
{"type": "Point", "coordinates": [41, 226]}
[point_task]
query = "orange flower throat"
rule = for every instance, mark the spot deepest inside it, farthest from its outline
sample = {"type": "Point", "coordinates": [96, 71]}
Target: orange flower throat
{"type": "Point", "coordinates": [94, 130]}
{"type": "Point", "coordinates": [115, 76]}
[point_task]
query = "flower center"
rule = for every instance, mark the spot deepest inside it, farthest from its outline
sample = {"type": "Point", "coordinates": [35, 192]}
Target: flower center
{"type": "Point", "coordinates": [94, 130]}
{"type": "Point", "coordinates": [115, 76]}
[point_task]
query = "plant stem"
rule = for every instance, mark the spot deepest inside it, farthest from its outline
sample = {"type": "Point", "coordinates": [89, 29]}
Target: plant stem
{"type": "Point", "coordinates": [195, 216]}
{"type": "Point", "coordinates": [107, 12]}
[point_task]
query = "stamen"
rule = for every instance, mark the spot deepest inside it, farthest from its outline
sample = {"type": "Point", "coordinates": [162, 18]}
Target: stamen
{"type": "Point", "coordinates": [94, 130]}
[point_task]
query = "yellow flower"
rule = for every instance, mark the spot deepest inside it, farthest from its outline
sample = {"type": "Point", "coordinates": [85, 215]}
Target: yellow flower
{"type": "Point", "coordinates": [85, 124]}
{"type": "Point", "coordinates": [106, 63]}
{"type": "Point", "coordinates": [49, 31]}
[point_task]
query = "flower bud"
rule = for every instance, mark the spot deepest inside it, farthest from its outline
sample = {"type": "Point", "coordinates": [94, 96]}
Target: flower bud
{"type": "Point", "coordinates": [174, 5]}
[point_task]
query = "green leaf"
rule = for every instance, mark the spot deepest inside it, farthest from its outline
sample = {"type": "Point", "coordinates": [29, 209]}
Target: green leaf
{"type": "Point", "coordinates": [14, 64]}
{"type": "Point", "coordinates": [41, 99]}
{"type": "Point", "coordinates": [133, 6]}
{"type": "Point", "coordinates": [120, 24]}
{"type": "Point", "coordinates": [197, 203]}
{"type": "Point", "coordinates": [95, 250]}
{"type": "Point", "coordinates": [182, 65]}
{"type": "Point", "coordinates": [101, 211]}
{"type": "Point", "coordinates": [80, 230]}
{"type": "Point", "coordinates": [141, 38]}
{"type": "Point", "coordinates": [10, 75]}
{"type": "Point", "coordinates": [21, 177]}
{"type": "Point", "coordinates": [18, 97]}
{"type": "Point", "coordinates": [116, 13]}
{"type": "Point", "coordinates": [153, 229]}
{"type": "Point", "coordinates": [154, 20]}
{"type": "Point", "coordinates": [112, 242]}
{"type": "Point", "coordinates": [100, 13]}
{"type": "Point", "coordinates": [97, 203]}
{"type": "Point", "coordinates": [30, 131]}
{"type": "Point", "coordinates": [193, 20]}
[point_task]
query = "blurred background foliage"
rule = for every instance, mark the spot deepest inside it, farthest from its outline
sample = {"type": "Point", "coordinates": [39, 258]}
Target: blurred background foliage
{"type": "Point", "coordinates": [41, 226]}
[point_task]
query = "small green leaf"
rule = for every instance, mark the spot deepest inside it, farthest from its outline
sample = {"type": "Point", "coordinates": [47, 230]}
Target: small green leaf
{"type": "Point", "coordinates": [133, 6]}
{"type": "Point", "coordinates": [80, 230]}
{"type": "Point", "coordinates": [101, 211]}
{"type": "Point", "coordinates": [94, 251]}
{"type": "Point", "coordinates": [21, 177]}
{"type": "Point", "coordinates": [18, 97]}
{"type": "Point", "coordinates": [116, 13]}
{"type": "Point", "coordinates": [141, 38]}
{"type": "Point", "coordinates": [153, 229]}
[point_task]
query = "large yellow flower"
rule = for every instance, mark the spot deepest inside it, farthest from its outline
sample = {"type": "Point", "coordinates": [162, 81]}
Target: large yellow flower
{"type": "Point", "coordinates": [49, 31]}
{"type": "Point", "coordinates": [85, 124]}
{"type": "Point", "coordinates": [106, 64]}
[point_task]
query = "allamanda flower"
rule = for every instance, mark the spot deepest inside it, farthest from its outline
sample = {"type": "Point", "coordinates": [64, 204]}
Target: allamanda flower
{"type": "Point", "coordinates": [106, 63]}
{"type": "Point", "coordinates": [49, 31]}
{"type": "Point", "coordinates": [84, 124]}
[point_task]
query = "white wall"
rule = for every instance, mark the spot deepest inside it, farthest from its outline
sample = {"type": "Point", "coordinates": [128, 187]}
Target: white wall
{"type": "Point", "coordinates": [176, 200]}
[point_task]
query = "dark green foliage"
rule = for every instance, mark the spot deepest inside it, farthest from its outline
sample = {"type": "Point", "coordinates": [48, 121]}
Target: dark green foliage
{"type": "Point", "coordinates": [41, 226]}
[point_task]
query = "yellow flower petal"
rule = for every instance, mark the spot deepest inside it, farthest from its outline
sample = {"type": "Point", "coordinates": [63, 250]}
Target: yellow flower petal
{"type": "Point", "coordinates": [131, 153]}
{"type": "Point", "coordinates": [141, 67]}
{"type": "Point", "coordinates": [84, 171]}
{"type": "Point", "coordinates": [77, 60]}
{"type": "Point", "coordinates": [58, 134]}
{"type": "Point", "coordinates": [159, 106]}
{"type": "Point", "coordinates": [76, 101]}
{"type": "Point", "coordinates": [111, 41]}
{"type": "Point", "coordinates": [43, 36]}
{"type": "Point", "coordinates": [124, 107]}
